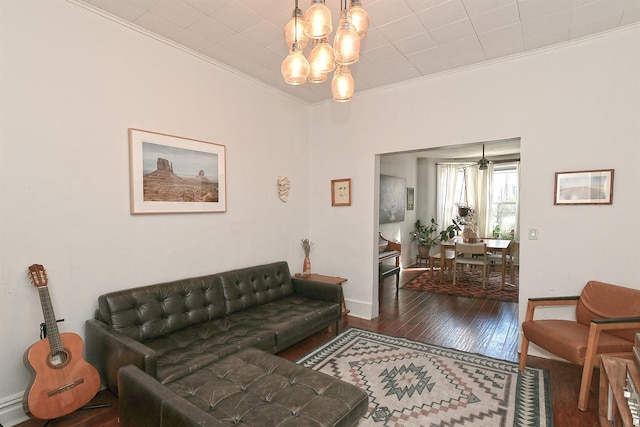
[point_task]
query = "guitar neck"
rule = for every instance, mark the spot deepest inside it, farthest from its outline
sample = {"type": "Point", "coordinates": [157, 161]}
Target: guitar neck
{"type": "Point", "coordinates": [50, 320]}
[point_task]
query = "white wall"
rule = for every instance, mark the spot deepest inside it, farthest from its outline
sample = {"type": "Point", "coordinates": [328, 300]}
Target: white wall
{"type": "Point", "coordinates": [576, 107]}
{"type": "Point", "coordinates": [70, 89]}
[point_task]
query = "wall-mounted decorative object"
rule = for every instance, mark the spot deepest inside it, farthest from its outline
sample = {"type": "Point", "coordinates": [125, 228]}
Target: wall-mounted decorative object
{"type": "Point", "coordinates": [341, 192]}
{"type": "Point", "coordinates": [590, 187]}
{"type": "Point", "coordinates": [393, 192]}
{"type": "Point", "coordinates": [171, 174]}
{"type": "Point", "coordinates": [409, 198]}
{"type": "Point", "coordinates": [283, 188]}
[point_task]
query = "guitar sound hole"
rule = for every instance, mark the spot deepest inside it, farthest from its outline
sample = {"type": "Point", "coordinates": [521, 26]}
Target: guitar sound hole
{"type": "Point", "coordinates": [58, 358]}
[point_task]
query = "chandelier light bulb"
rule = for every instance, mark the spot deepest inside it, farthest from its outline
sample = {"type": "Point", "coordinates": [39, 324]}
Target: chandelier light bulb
{"type": "Point", "coordinates": [318, 20]}
{"type": "Point", "coordinates": [290, 30]}
{"type": "Point", "coordinates": [295, 67]}
{"type": "Point", "coordinates": [317, 77]}
{"type": "Point", "coordinates": [359, 18]}
{"type": "Point", "coordinates": [322, 57]}
{"type": "Point", "coordinates": [342, 85]}
{"type": "Point", "coordinates": [347, 42]}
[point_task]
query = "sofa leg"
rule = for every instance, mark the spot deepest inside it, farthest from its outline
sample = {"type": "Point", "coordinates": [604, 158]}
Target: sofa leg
{"type": "Point", "coordinates": [337, 327]}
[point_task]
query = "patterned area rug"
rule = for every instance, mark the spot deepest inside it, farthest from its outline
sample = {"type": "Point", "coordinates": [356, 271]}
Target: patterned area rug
{"type": "Point", "coordinates": [416, 384]}
{"type": "Point", "coordinates": [468, 284]}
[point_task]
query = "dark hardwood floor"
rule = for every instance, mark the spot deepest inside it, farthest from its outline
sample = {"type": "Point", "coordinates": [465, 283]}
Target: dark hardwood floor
{"type": "Point", "coordinates": [474, 325]}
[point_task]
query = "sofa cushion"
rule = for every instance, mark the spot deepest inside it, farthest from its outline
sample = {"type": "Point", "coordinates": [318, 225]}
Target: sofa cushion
{"type": "Point", "coordinates": [253, 388]}
{"type": "Point", "coordinates": [249, 287]}
{"type": "Point", "coordinates": [151, 311]}
{"type": "Point", "coordinates": [182, 352]}
{"type": "Point", "coordinates": [291, 318]}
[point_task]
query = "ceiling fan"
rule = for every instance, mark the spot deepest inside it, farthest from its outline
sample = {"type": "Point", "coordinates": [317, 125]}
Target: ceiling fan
{"type": "Point", "coordinates": [483, 163]}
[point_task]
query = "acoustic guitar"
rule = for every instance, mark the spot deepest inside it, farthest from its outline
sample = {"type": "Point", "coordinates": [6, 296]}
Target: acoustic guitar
{"type": "Point", "coordinates": [63, 380]}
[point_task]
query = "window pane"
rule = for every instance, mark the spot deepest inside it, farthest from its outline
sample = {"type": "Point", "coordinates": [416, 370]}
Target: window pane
{"type": "Point", "coordinates": [505, 199]}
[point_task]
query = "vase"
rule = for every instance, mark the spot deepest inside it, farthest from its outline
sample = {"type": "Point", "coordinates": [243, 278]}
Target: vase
{"type": "Point", "coordinates": [306, 269]}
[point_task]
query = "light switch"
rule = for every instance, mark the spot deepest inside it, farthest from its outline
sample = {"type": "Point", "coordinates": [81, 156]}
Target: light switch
{"type": "Point", "coordinates": [533, 233]}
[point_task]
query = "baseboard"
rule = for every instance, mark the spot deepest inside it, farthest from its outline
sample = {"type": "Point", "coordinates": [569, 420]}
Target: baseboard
{"type": "Point", "coordinates": [359, 309]}
{"type": "Point", "coordinates": [11, 411]}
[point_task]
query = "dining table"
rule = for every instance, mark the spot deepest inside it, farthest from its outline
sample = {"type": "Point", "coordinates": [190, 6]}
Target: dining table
{"type": "Point", "coordinates": [493, 245]}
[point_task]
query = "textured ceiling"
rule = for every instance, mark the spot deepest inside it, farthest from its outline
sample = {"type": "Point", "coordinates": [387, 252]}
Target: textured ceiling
{"type": "Point", "coordinates": [407, 39]}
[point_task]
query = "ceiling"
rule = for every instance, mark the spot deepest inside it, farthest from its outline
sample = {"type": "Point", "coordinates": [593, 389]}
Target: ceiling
{"type": "Point", "coordinates": [407, 39]}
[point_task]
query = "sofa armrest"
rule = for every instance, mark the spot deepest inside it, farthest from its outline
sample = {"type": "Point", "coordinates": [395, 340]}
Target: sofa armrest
{"type": "Point", "coordinates": [109, 350]}
{"type": "Point", "coordinates": [317, 290]}
{"type": "Point", "coordinates": [549, 301]}
{"type": "Point", "coordinates": [162, 407]}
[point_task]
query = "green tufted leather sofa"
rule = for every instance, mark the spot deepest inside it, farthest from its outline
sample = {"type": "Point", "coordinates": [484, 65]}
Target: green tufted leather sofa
{"type": "Point", "coordinates": [171, 330]}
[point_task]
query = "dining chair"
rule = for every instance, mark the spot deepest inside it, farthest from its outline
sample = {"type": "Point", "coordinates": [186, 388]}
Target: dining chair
{"type": "Point", "coordinates": [511, 256]}
{"type": "Point", "coordinates": [471, 254]}
{"type": "Point", "coordinates": [607, 319]}
{"type": "Point", "coordinates": [435, 255]}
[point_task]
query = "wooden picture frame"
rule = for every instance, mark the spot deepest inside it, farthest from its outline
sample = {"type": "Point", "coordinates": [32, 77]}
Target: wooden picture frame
{"type": "Point", "coordinates": [341, 192]}
{"type": "Point", "coordinates": [172, 174]}
{"type": "Point", "coordinates": [587, 187]}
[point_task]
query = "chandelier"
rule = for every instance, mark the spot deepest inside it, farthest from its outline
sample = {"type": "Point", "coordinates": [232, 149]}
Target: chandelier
{"type": "Point", "coordinates": [314, 28]}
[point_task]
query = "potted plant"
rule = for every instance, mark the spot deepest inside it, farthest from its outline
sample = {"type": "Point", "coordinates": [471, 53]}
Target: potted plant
{"type": "Point", "coordinates": [450, 231]}
{"type": "Point", "coordinates": [426, 236]}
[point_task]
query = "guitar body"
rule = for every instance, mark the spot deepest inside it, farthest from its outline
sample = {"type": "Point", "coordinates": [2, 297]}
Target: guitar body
{"type": "Point", "coordinates": [63, 382]}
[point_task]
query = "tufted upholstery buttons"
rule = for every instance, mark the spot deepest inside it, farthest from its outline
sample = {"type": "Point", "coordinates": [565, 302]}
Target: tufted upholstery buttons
{"type": "Point", "coordinates": [259, 386]}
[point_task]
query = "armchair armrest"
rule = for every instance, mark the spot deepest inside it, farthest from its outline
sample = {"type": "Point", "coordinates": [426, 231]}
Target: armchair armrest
{"type": "Point", "coordinates": [622, 320]}
{"type": "Point", "coordinates": [549, 301]}
{"type": "Point", "coordinates": [109, 350]}
{"type": "Point", "coordinates": [317, 290]}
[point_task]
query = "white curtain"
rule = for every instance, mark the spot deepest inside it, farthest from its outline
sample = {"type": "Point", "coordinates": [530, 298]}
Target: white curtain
{"type": "Point", "coordinates": [480, 190]}
{"type": "Point", "coordinates": [517, 230]}
{"type": "Point", "coordinates": [447, 180]}
{"type": "Point", "coordinates": [477, 191]}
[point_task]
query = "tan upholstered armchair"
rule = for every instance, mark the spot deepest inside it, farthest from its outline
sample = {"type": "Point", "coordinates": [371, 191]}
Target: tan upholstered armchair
{"type": "Point", "coordinates": [607, 318]}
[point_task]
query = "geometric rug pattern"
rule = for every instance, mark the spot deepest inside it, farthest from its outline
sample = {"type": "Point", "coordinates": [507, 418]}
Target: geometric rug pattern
{"type": "Point", "coordinates": [468, 284]}
{"type": "Point", "coordinates": [417, 384]}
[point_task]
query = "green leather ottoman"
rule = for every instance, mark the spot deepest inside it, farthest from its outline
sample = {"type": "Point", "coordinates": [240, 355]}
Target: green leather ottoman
{"type": "Point", "coordinates": [249, 388]}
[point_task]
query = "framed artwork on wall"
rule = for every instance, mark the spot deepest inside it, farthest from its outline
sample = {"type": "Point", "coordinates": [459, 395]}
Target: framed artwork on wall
{"type": "Point", "coordinates": [172, 174]}
{"type": "Point", "coordinates": [409, 198]}
{"type": "Point", "coordinates": [393, 192]}
{"type": "Point", "coordinates": [341, 192]}
{"type": "Point", "coordinates": [589, 187]}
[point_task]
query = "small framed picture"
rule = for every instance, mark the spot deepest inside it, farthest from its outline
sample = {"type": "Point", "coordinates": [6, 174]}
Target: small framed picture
{"type": "Point", "coordinates": [589, 187]}
{"type": "Point", "coordinates": [341, 192]}
{"type": "Point", "coordinates": [173, 174]}
{"type": "Point", "coordinates": [409, 198]}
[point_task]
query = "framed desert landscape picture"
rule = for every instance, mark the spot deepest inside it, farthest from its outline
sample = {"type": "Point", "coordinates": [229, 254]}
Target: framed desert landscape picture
{"type": "Point", "coordinates": [589, 187]}
{"type": "Point", "coordinates": [172, 174]}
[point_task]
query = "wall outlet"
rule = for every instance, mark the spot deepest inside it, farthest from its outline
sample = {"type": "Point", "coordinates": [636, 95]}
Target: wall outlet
{"type": "Point", "coordinates": [533, 233]}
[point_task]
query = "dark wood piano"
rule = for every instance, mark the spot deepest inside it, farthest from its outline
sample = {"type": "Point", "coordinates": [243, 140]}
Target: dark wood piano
{"type": "Point", "coordinates": [388, 250]}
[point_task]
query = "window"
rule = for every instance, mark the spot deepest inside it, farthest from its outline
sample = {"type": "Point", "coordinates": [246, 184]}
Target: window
{"type": "Point", "coordinates": [460, 185]}
{"type": "Point", "coordinates": [504, 208]}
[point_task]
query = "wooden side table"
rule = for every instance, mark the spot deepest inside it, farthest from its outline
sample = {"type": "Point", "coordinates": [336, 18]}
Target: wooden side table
{"type": "Point", "coordinates": [613, 409]}
{"type": "Point", "coordinates": [327, 279]}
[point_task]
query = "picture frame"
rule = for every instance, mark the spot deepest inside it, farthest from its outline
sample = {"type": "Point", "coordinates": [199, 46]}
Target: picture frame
{"type": "Point", "coordinates": [341, 192]}
{"type": "Point", "coordinates": [173, 174]}
{"type": "Point", "coordinates": [586, 187]}
{"type": "Point", "coordinates": [410, 198]}
{"type": "Point", "coordinates": [393, 196]}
